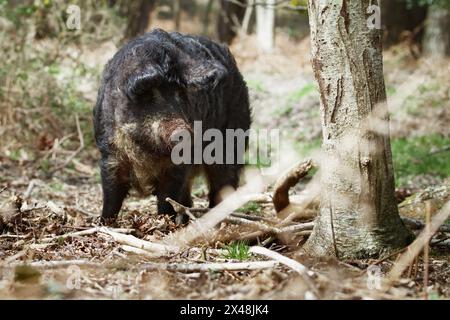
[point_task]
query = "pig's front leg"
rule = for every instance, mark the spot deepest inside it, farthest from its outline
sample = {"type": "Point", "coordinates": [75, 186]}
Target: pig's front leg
{"type": "Point", "coordinates": [115, 184]}
{"type": "Point", "coordinates": [176, 184]}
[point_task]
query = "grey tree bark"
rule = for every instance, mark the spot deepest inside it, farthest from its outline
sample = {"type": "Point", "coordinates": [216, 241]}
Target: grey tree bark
{"type": "Point", "coordinates": [437, 31]}
{"type": "Point", "coordinates": [265, 25]}
{"type": "Point", "coordinates": [359, 215]}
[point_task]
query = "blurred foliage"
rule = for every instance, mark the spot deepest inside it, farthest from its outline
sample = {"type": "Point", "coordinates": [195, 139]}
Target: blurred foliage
{"type": "Point", "coordinates": [47, 18]}
{"type": "Point", "coordinates": [425, 155]}
{"type": "Point", "coordinates": [42, 72]}
{"type": "Point", "coordinates": [250, 207]}
{"type": "Point", "coordinates": [440, 3]}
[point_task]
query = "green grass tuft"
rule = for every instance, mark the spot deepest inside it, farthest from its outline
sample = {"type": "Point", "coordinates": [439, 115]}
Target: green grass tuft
{"type": "Point", "coordinates": [237, 251]}
{"type": "Point", "coordinates": [250, 207]}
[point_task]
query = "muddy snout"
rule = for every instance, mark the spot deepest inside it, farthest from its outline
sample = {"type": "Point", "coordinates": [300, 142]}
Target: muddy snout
{"type": "Point", "coordinates": [168, 132]}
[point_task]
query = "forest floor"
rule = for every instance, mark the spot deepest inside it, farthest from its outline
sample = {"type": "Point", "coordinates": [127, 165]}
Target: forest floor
{"type": "Point", "coordinates": [44, 206]}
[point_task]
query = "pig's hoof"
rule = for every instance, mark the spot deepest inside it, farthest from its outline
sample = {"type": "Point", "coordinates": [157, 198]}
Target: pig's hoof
{"type": "Point", "coordinates": [108, 222]}
{"type": "Point", "coordinates": [181, 219]}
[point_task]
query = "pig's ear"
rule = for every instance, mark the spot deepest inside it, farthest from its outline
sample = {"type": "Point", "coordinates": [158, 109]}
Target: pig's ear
{"type": "Point", "coordinates": [155, 72]}
{"type": "Point", "coordinates": [204, 76]}
{"type": "Point", "coordinates": [139, 84]}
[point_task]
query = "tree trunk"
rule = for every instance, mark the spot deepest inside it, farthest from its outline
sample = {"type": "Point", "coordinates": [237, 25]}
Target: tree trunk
{"type": "Point", "coordinates": [176, 14]}
{"type": "Point", "coordinates": [206, 17]}
{"type": "Point", "coordinates": [265, 24]}
{"type": "Point", "coordinates": [358, 215]}
{"type": "Point", "coordinates": [230, 17]}
{"type": "Point", "coordinates": [139, 12]}
{"type": "Point", "coordinates": [437, 32]}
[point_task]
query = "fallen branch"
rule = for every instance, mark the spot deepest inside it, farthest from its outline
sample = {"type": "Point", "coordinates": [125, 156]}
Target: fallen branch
{"type": "Point", "coordinates": [242, 219]}
{"type": "Point", "coordinates": [14, 236]}
{"type": "Point", "coordinates": [254, 224]}
{"type": "Point", "coordinates": [85, 233]}
{"type": "Point", "coordinates": [66, 263]}
{"type": "Point", "coordinates": [303, 229]}
{"type": "Point", "coordinates": [304, 272]}
{"type": "Point", "coordinates": [440, 243]}
{"type": "Point", "coordinates": [205, 267]}
{"type": "Point", "coordinates": [13, 258]}
{"type": "Point", "coordinates": [307, 226]}
{"type": "Point", "coordinates": [139, 243]}
{"type": "Point", "coordinates": [263, 228]}
{"type": "Point", "coordinates": [287, 181]}
{"type": "Point", "coordinates": [417, 224]}
{"type": "Point", "coordinates": [252, 217]}
{"type": "Point", "coordinates": [299, 209]}
{"type": "Point", "coordinates": [181, 209]}
{"type": "Point", "coordinates": [57, 264]}
{"type": "Point", "coordinates": [137, 251]}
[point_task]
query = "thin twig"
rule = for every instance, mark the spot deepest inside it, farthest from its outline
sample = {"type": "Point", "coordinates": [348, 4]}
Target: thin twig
{"type": "Point", "coordinates": [419, 243]}
{"type": "Point", "coordinates": [76, 152]}
{"type": "Point", "coordinates": [426, 249]}
{"type": "Point", "coordinates": [83, 211]}
{"type": "Point", "coordinates": [30, 188]}
{"type": "Point", "coordinates": [383, 259]}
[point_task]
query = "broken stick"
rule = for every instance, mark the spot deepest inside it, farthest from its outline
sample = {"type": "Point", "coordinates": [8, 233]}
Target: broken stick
{"type": "Point", "coordinates": [287, 181]}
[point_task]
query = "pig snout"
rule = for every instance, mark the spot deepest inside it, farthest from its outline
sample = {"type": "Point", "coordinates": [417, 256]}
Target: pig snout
{"type": "Point", "coordinates": [165, 131]}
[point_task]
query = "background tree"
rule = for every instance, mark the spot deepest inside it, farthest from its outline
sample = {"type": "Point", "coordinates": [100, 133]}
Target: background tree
{"type": "Point", "coordinates": [402, 19]}
{"type": "Point", "coordinates": [265, 24]}
{"type": "Point", "coordinates": [437, 29]}
{"type": "Point", "coordinates": [138, 17]}
{"type": "Point", "coordinates": [359, 215]}
{"type": "Point", "coordinates": [176, 8]}
{"type": "Point", "coordinates": [229, 19]}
